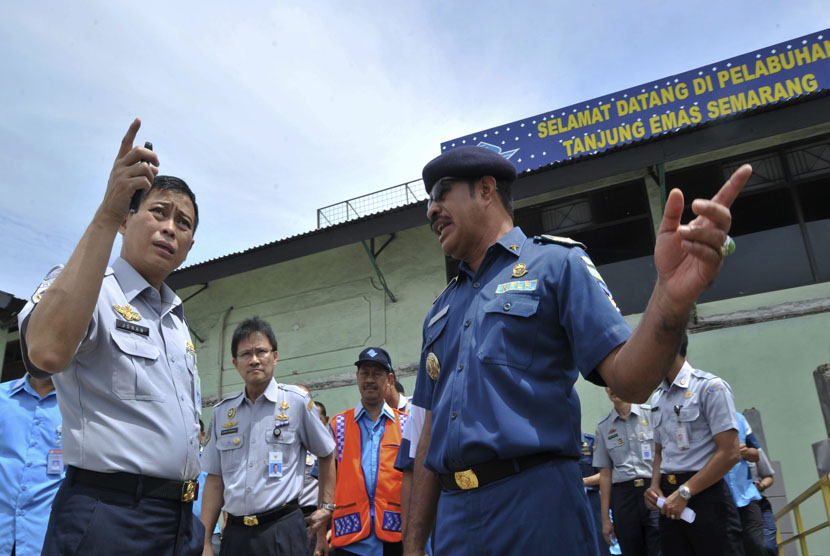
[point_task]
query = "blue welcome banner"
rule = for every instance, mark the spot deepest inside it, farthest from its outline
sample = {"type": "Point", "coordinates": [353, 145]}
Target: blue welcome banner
{"type": "Point", "coordinates": [767, 76]}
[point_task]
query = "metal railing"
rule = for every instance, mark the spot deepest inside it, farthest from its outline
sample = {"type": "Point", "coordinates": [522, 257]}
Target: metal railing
{"type": "Point", "coordinates": [823, 486]}
{"type": "Point", "coordinates": [379, 201]}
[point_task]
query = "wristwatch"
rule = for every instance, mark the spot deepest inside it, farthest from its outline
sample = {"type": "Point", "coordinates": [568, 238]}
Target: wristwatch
{"type": "Point", "coordinates": [685, 493]}
{"type": "Point", "coordinates": [329, 507]}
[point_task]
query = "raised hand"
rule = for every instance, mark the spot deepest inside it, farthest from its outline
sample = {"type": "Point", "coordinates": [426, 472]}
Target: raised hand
{"type": "Point", "coordinates": [688, 257]}
{"type": "Point", "coordinates": [128, 176]}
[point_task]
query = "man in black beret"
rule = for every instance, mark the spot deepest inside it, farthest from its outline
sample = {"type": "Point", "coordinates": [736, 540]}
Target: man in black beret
{"type": "Point", "coordinates": [503, 346]}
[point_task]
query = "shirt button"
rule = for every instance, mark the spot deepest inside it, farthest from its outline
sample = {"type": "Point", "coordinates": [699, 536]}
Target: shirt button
{"type": "Point", "coordinates": [477, 285]}
{"type": "Point", "coordinates": [467, 323]}
{"type": "Point", "coordinates": [173, 358]}
{"type": "Point", "coordinates": [28, 464]}
{"type": "Point", "coordinates": [454, 415]}
{"type": "Point", "coordinates": [461, 366]}
{"type": "Point", "coordinates": [19, 512]}
{"type": "Point", "coordinates": [24, 487]}
{"type": "Point", "coordinates": [37, 421]}
{"type": "Point", "coordinates": [507, 306]}
{"type": "Point", "coordinates": [33, 443]}
{"type": "Point", "coordinates": [247, 489]}
{"type": "Point", "coordinates": [251, 464]}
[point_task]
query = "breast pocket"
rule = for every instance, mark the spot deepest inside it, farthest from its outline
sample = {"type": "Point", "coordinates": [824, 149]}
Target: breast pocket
{"type": "Point", "coordinates": [510, 336]}
{"type": "Point", "coordinates": [616, 451]}
{"type": "Point", "coordinates": [698, 428]}
{"type": "Point", "coordinates": [286, 437]}
{"type": "Point", "coordinates": [231, 454]}
{"type": "Point", "coordinates": [134, 376]}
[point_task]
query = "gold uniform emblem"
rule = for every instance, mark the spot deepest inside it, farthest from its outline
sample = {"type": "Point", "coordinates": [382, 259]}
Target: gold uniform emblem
{"type": "Point", "coordinates": [514, 247]}
{"type": "Point", "coordinates": [190, 347]}
{"type": "Point", "coordinates": [644, 422]}
{"type": "Point", "coordinates": [683, 381]}
{"type": "Point", "coordinates": [281, 417]}
{"type": "Point", "coordinates": [231, 412]}
{"type": "Point", "coordinates": [284, 405]}
{"type": "Point", "coordinates": [127, 312]}
{"type": "Point", "coordinates": [236, 440]}
{"type": "Point", "coordinates": [519, 270]}
{"type": "Point", "coordinates": [433, 367]}
{"type": "Point", "coordinates": [466, 479]}
{"type": "Point", "coordinates": [310, 404]}
{"type": "Point", "coordinates": [230, 424]}
{"type": "Point", "coordinates": [688, 394]}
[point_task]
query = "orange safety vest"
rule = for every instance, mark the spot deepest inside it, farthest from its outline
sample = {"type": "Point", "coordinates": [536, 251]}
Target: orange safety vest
{"type": "Point", "coordinates": [350, 522]}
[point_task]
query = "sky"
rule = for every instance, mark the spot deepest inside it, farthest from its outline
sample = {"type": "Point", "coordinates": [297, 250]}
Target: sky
{"type": "Point", "coordinates": [272, 110]}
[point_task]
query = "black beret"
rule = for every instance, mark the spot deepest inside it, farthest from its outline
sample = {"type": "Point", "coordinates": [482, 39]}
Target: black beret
{"type": "Point", "coordinates": [468, 162]}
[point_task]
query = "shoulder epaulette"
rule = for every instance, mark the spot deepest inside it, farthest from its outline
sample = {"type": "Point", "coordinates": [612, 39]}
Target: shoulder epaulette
{"type": "Point", "coordinates": [559, 240]}
{"type": "Point", "coordinates": [228, 398]}
{"type": "Point", "coordinates": [703, 374]}
{"type": "Point", "coordinates": [450, 283]}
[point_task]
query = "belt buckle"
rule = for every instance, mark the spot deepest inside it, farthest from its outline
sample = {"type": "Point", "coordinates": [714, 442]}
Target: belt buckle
{"type": "Point", "coordinates": [466, 479]}
{"type": "Point", "coordinates": [250, 520]}
{"type": "Point", "coordinates": [672, 479]}
{"type": "Point", "coordinates": [188, 491]}
{"type": "Point", "coordinates": [639, 482]}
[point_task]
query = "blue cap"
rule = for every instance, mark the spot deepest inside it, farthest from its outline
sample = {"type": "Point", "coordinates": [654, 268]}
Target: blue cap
{"type": "Point", "coordinates": [377, 355]}
{"type": "Point", "coordinates": [468, 162]}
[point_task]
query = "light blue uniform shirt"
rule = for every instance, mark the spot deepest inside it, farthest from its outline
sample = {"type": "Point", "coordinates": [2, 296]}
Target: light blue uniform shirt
{"type": "Point", "coordinates": [700, 403]}
{"type": "Point", "coordinates": [623, 443]}
{"type": "Point", "coordinates": [129, 394]}
{"type": "Point", "coordinates": [30, 426]}
{"type": "Point", "coordinates": [243, 437]}
{"type": "Point", "coordinates": [739, 478]}
{"type": "Point", "coordinates": [371, 434]}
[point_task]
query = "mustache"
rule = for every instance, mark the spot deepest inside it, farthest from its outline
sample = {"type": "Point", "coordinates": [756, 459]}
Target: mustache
{"type": "Point", "coordinates": [435, 219]}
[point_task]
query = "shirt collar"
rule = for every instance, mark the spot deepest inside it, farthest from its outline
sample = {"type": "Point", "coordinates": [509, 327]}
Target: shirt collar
{"type": "Point", "coordinates": [511, 242]}
{"type": "Point", "coordinates": [272, 391]}
{"type": "Point", "coordinates": [635, 409]}
{"type": "Point", "coordinates": [133, 284]}
{"type": "Point", "coordinates": [681, 380]}
{"type": "Point", "coordinates": [23, 383]}
{"type": "Point", "coordinates": [386, 410]}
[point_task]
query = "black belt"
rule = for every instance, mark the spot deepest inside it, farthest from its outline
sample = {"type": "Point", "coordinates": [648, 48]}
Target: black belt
{"type": "Point", "coordinates": [265, 517]}
{"type": "Point", "coordinates": [633, 483]}
{"type": "Point", "coordinates": [677, 478]}
{"type": "Point", "coordinates": [492, 471]}
{"type": "Point", "coordinates": [141, 486]}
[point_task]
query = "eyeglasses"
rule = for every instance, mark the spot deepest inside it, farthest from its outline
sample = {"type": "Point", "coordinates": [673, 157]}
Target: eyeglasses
{"type": "Point", "coordinates": [440, 190]}
{"type": "Point", "coordinates": [248, 355]}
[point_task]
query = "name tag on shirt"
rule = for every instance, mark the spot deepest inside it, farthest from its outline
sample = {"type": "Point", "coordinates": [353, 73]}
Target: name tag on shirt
{"type": "Point", "coordinates": [132, 327]}
{"type": "Point", "coordinates": [645, 450]}
{"type": "Point", "coordinates": [54, 462]}
{"type": "Point", "coordinates": [275, 464]}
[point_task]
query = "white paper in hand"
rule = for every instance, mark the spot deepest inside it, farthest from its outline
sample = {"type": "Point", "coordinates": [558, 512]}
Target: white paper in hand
{"type": "Point", "coordinates": [688, 514]}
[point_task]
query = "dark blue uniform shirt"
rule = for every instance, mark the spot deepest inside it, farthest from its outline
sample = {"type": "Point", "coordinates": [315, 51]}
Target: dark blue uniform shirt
{"type": "Point", "coordinates": [510, 340]}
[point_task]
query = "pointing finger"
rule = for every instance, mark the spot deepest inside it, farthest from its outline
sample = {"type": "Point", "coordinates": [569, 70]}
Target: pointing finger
{"type": "Point", "coordinates": [673, 212]}
{"type": "Point", "coordinates": [727, 194]}
{"type": "Point", "coordinates": [129, 138]}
